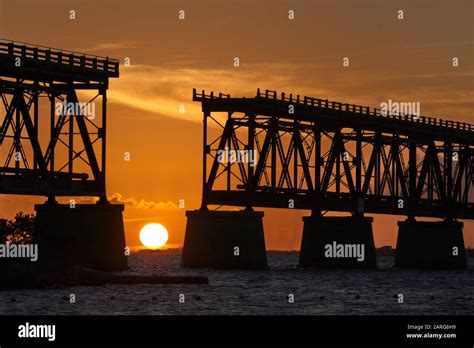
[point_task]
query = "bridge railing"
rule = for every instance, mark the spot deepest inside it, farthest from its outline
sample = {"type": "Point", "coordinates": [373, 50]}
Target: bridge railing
{"type": "Point", "coordinates": [66, 58]}
{"type": "Point", "coordinates": [362, 110]}
{"type": "Point", "coordinates": [345, 107]}
{"type": "Point", "coordinates": [203, 95]}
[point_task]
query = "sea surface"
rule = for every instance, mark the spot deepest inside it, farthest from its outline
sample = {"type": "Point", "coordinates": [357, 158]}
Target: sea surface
{"type": "Point", "coordinates": [233, 292]}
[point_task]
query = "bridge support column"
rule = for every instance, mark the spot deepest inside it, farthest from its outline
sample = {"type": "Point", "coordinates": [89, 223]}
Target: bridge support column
{"type": "Point", "coordinates": [427, 244]}
{"type": "Point", "coordinates": [227, 239]}
{"type": "Point", "coordinates": [339, 242]}
{"type": "Point", "coordinates": [89, 235]}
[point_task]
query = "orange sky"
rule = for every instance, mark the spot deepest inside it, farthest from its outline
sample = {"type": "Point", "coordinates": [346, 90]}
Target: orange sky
{"type": "Point", "coordinates": [407, 60]}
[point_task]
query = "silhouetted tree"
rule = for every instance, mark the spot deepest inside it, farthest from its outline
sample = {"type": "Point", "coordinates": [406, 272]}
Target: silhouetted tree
{"type": "Point", "coordinates": [21, 229]}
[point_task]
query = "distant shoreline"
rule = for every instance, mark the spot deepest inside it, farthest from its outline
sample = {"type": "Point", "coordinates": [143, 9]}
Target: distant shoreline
{"type": "Point", "coordinates": [382, 251]}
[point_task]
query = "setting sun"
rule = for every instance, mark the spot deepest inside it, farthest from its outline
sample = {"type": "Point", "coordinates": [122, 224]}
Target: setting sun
{"type": "Point", "coordinates": [154, 235]}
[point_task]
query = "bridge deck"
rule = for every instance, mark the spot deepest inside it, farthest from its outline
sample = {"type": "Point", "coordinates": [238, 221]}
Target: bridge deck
{"type": "Point", "coordinates": [40, 63]}
{"type": "Point", "coordinates": [336, 114]}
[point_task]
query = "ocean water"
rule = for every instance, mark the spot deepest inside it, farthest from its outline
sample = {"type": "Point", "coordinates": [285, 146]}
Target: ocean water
{"type": "Point", "coordinates": [234, 292]}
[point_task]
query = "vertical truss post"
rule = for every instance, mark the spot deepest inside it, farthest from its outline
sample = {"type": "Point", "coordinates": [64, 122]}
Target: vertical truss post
{"type": "Point", "coordinates": [250, 148]}
{"type": "Point", "coordinates": [358, 164]}
{"type": "Point", "coordinates": [295, 136]}
{"type": "Point", "coordinates": [103, 135]}
{"type": "Point", "coordinates": [35, 121]}
{"type": "Point", "coordinates": [52, 133]}
{"type": "Point", "coordinates": [205, 152]}
{"type": "Point", "coordinates": [317, 160]}
{"type": "Point", "coordinates": [274, 136]}
{"type": "Point", "coordinates": [412, 175]}
{"type": "Point", "coordinates": [448, 172]}
{"type": "Point", "coordinates": [229, 144]}
{"type": "Point", "coordinates": [17, 153]}
{"type": "Point", "coordinates": [71, 143]}
{"type": "Point", "coordinates": [338, 153]}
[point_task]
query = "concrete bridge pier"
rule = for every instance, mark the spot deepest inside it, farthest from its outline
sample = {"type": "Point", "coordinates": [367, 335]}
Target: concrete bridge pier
{"type": "Point", "coordinates": [337, 242]}
{"type": "Point", "coordinates": [88, 235]}
{"type": "Point", "coordinates": [427, 244]}
{"type": "Point", "coordinates": [226, 239]}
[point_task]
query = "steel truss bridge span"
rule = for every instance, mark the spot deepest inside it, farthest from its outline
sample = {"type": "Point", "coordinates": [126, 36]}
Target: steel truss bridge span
{"type": "Point", "coordinates": [323, 155]}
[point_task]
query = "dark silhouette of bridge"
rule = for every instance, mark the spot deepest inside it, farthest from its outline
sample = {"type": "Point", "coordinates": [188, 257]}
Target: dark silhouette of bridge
{"type": "Point", "coordinates": [31, 75]}
{"type": "Point", "coordinates": [54, 149]}
{"type": "Point", "coordinates": [310, 154]}
{"type": "Point", "coordinates": [322, 155]}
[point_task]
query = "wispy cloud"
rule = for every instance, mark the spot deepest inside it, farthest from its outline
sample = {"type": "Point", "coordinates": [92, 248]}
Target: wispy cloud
{"type": "Point", "coordinates": [106, 46]}
{"type": "Point", "coordinates": [118, 198]}
{"type": "Point", "coordinates": [142, 203]}
{"type": "Point", "coordinates": [162, 90]}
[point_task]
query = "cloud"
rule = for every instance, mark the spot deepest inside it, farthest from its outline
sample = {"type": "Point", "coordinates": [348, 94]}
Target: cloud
{"type": "Point", "coordinates": [141, 204]}
{"type": "Point", "coordinates": [117, 198]}
{"type": "Point", "coordinates": [161, 90]}
{"type": "Point", "coordinates": [105, 46]}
